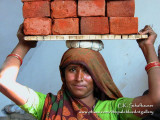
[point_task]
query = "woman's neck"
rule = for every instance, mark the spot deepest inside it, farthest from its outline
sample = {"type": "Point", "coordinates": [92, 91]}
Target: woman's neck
{"type": "Point", "coordinates": [89, 101]}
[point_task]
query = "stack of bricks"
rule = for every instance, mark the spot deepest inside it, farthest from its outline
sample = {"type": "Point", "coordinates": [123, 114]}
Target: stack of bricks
{"type": "Point", "coordinates": [85, 17]}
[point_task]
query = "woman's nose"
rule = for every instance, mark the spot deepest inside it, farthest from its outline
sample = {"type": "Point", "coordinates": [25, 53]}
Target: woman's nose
{"type": "Point", "coordinates": [79, 75]}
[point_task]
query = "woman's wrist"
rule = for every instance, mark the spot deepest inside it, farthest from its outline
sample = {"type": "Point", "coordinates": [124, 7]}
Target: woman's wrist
{"type": "Point", "coordinates": [25, 46]}
{"type": "Point", "coordinates": [17, 55]}
{"type": "Point", "coordinates": [21, 49]}
{"type": "Point", "coordinates": [149, 53]}
{"type": "Point", "coordinates": [147, 47]}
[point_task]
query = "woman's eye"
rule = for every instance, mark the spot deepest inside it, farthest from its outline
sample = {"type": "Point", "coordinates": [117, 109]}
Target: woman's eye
{"type": "Point", "coordinates": [85, 71]}
{"type": "Point", "coordinates": [72, 69]}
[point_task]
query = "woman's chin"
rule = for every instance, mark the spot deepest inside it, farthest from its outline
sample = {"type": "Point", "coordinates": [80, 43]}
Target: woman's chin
{"type": "Point", "coordinates": [78, 95]}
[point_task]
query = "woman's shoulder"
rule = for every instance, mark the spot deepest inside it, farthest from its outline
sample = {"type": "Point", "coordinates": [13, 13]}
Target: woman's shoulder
{"type": "Point", "coordinates": [120, 108]}
{"type": "Point", "coordinates": [119, 100]}
{"type": "Point", "coordinates": [117, 104]}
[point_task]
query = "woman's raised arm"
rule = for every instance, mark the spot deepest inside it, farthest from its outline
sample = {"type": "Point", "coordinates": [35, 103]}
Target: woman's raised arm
{"type": "Point", "coordinates": [10, 69]}
{"type": "Point", "coordinates": [153, 98]}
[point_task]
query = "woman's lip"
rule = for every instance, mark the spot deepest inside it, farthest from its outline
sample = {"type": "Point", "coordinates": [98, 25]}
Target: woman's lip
{"type": "Point", "coordinates": [79, 86]}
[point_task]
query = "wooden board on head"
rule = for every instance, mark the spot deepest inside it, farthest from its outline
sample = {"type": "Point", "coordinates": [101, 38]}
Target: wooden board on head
{"type": "Point", "coordinates": [84, 37]}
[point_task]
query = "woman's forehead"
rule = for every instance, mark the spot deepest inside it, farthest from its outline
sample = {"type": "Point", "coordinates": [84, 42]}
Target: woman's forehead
{"type": "Point", "coordinates": [76, 65]}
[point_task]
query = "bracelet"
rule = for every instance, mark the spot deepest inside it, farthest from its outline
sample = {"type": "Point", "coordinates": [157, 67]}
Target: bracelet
{"type": "Point", "coordinates": [16, 56]}
{"type": "Point", "coordinates": [151, 65]}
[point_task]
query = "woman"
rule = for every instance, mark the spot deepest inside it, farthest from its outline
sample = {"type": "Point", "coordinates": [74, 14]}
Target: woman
{"type": "Point", "coordinates": [88, 91]}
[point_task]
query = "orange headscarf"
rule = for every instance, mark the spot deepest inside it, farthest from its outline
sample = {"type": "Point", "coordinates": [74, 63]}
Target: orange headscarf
{"type": "Point", "coordinates": [97, 68]}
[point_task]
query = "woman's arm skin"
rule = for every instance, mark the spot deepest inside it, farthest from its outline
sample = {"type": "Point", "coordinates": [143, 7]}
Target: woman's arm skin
{"type": "Point", "coordinates": [10, 69]}
{"type": "Point", "coordinates": [153, 98]}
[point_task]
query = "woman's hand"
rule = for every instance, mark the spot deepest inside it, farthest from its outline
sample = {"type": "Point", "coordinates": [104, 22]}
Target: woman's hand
{"type": "Point", "coordinates": [150, 40]}
{"type": "Point", "coordinates": [20, 35]}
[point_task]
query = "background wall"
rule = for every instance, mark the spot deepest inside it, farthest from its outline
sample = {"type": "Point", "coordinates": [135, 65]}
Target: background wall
{"type": "Point", "coordinates": [40, 70]}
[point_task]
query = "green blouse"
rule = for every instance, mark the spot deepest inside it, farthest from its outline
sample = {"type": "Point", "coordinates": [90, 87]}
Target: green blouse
{"type": "Point", "coordinates": [119, 109]}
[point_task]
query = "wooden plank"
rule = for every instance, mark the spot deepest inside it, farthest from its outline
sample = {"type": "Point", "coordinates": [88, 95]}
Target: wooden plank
{"type": "Point", "coordinates": [72, 38]}
{"type": "Point", "coordinates": [144, 36]}
{"type": "Point", "coordinates": [98, 37]}
{"type": "Point", "coordinates": [47, 37]}
{"type": "Point", "coordinates": [118, 37]}
{"type": "Point", "coordinates": [125, 36]}
{"type": "Point", "coordinates": [84, 37]}
{"type": "Point", "coordinates": [92, 37]}
{"type": "Point", "coordinates": [53, 37]}
{"type": "Point", "coordinates": [111, 37]}
{"type": "Point", "coordinates": [105, 37]}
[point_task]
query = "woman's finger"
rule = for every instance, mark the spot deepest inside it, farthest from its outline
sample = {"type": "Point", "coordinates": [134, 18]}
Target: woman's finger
{"type": "Point", "coordinates": [144, 32]}
{"type": "Point", "coordinates": [147, 31]}
{"type": "Point", "coordinates": [21, 27]}
{"type": "Point", "coordinates": [20, 31]}
{"type": "Point", "coordinates": [147, 27]}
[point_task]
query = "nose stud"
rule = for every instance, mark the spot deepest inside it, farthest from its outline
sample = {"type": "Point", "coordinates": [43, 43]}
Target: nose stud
{"type": "Point", "coordinates": [82, 79]}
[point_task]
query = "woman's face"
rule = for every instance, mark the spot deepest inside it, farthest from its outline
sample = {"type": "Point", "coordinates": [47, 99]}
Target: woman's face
{"type": "Point", "coordinates": [78, 81]}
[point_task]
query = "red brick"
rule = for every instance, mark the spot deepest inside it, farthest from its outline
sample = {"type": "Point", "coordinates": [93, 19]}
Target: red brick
{"type": "Point", "coordinates": [33, 0]}
{"type": "Point", "coordinates": [123, 25]}
{"type": "Point", "coordinates": [63, 9]}
{"type": "Point", "coordinates": [120, 8]}
{"type": "Point", "coordinates": [36, 9]}
{"type": "Point", "coordinates": [94, 25]}
{"type": "Point", "coordinates": [65, 26]}
{"type": "Point", "coordinates": [91, 8]}
{"type": "Point", "coordinates": [37, 26]}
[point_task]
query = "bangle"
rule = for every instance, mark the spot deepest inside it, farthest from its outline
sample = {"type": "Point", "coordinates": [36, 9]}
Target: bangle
{"type": "Point", "coordinates": [151, 65]}
{"type": "Point", "coordinates": [16, 56]}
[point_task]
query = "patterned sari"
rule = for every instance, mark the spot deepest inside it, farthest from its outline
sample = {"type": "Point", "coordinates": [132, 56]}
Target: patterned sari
{"type": "Point", "coordinates": [64, 106]}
